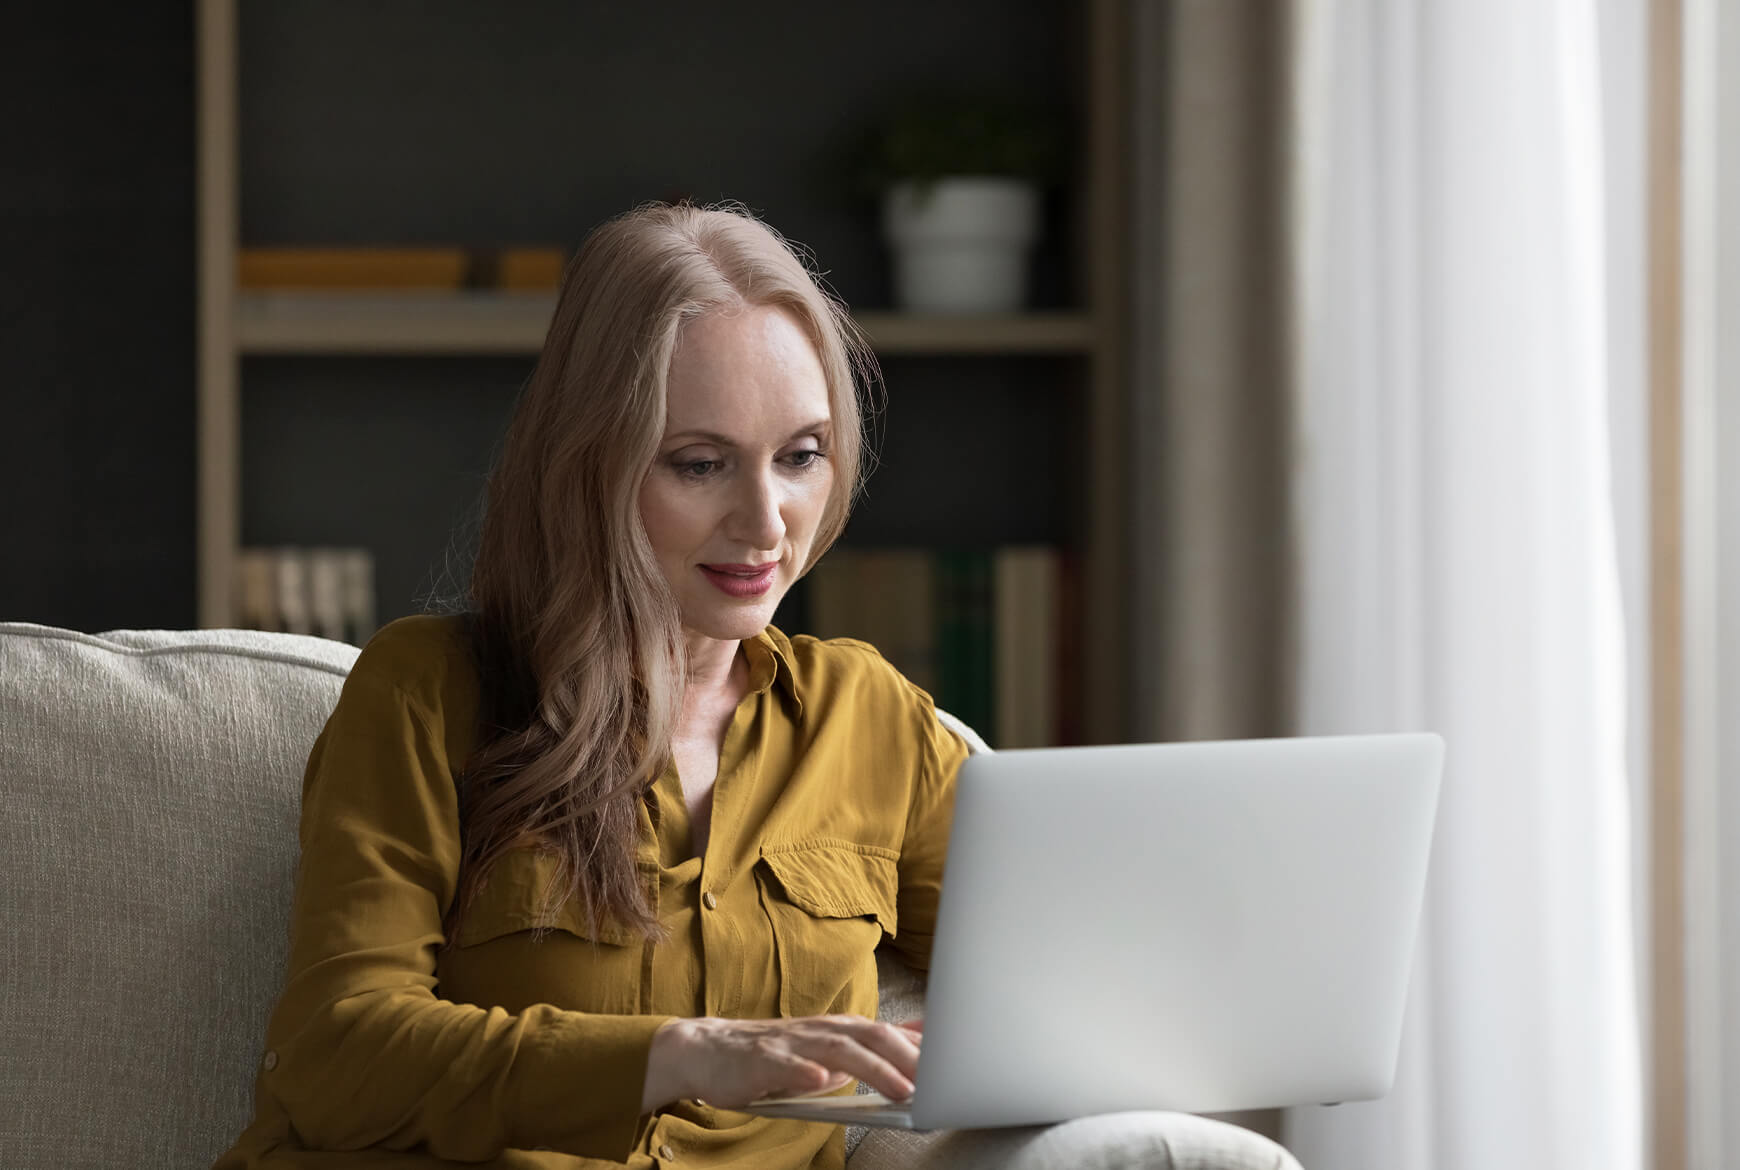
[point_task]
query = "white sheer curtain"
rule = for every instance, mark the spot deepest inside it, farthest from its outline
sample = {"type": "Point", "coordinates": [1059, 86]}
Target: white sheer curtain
{"type": "Point", "coordinates": [1457, 567]}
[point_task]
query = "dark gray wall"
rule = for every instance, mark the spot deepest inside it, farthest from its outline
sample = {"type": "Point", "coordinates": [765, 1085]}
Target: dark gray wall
{"type": "Point", "coordinates": [399, 122]}
{"type": "Point", "coordinates": [97, 315]}
{"type": "Point", "coordinates": [453, 121]}
{"type": "Point", "coordinates": [532, 122]}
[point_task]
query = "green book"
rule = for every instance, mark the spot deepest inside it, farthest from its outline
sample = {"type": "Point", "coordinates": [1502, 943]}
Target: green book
{"type": "Point", "coordinates": [965, 678]}
{"type": "Point", "coordinates": [980, 638]}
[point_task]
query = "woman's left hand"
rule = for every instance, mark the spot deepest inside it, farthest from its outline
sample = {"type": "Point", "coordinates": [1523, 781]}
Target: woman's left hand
{"type": "Point", "coordinates": [733, 1062]}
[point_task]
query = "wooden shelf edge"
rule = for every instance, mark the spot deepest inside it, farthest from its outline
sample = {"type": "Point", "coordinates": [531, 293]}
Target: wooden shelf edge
{"type": "Point", "coordinates": [442, 322]}
{"type": "Point", "coordinates": [1039, 332]}
{"type": "Point", "coordinates": [435, 322]}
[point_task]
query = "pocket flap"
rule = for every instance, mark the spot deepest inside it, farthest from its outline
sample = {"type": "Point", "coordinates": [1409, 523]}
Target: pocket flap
{"type": "Point", "coordinates": [512, 899]}
{"type": "Point", "coordinates": [838, 879]}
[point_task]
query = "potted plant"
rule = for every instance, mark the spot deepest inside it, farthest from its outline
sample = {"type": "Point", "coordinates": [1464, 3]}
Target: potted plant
{"type": "Point", "coordinates": [959, 180]}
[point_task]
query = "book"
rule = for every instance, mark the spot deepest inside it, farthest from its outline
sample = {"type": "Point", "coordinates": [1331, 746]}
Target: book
{"type": "Point", "coordinates": [290, 593]}
{"type": "Point", "coordinates": [516, 269]}
{"type": "Point", "coordinates": [881, 596]}
{"type": "Point", "coordinates": [985, 632]}
{"type": "Point", "coordinates": [965, 678]}
{"type": "Point", "coordinates": [256, 590]}
{"type": "Point", "coordinates": [1027, 642]}
{"type": "Point", "coordinates": [531, 269]}
{"type": "Point", "coordinates": [324, 592]}
{"type": "Point", "coordinates": [1071, 634]}
{"type": "Point", "coordinates": [352, 268]}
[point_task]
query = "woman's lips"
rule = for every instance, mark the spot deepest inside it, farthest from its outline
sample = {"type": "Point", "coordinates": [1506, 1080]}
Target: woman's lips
{"type": "Point", "coordinates": [739, 584]}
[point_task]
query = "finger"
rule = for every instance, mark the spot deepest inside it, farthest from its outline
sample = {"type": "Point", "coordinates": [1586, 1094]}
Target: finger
{"type": "Point", "coordinates": [915, 1024]}
{"type": "Point", "coordinates": [836, 1047]}
{"type": "Point", "coordinates": [784, 1074]}
{"type": "Point", "coordinates": [893, 1043]}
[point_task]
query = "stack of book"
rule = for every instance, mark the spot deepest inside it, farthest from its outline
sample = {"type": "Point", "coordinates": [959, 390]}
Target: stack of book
{"type": "Point", "coordinates": [983, 631]}
{"type": "Point", "coordinates": [380, 269]}
{"type": "Point", "coordinates": [326, 592]}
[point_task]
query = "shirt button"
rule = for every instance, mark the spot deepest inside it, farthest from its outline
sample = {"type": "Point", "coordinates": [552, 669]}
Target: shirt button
{"type": "Point", "coordinates": [709, 901]}
{"type": "Point", "coordinates": [271, 1061]}
{"type": "Point", "coordinates": [667, 1153]}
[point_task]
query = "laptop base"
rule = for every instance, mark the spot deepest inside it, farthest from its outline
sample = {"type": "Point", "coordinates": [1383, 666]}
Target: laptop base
{"type": "Point", "coordinates": [871, 1109]}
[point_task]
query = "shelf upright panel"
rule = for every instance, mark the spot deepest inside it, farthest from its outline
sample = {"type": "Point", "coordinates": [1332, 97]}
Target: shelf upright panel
{"type": "Point", "coordinates": [1105, 592]}
{"type": "Point", "coordinates": [218, 436]}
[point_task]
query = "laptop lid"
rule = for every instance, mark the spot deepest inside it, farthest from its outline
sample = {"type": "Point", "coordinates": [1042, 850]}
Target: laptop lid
{"type": "Point", "coordinates": [1199, 927]}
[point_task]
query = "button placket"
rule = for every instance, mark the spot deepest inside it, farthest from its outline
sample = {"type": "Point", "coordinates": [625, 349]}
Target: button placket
{"type": "Point", "coordinates": [722, 982]}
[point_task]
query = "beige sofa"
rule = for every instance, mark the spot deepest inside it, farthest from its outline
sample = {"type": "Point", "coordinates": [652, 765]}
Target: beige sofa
{"type": "Point", "coordinates": [146, 862]}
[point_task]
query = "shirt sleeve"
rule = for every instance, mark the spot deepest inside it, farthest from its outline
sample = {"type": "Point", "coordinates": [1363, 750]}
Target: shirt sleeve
{"type": "Point", "coordinates": [928, 818]}
{"type": "Point", "coordinates": [360, 1050]}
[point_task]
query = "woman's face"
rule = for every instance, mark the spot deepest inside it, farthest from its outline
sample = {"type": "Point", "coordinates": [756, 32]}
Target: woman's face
{"type": "Point", "coordinates": [743, 473]}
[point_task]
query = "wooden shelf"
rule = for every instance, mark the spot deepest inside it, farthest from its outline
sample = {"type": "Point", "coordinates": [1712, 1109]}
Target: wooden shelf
{"type": "Point", "coordinates": [1057, 332]}
{"type": "Point", "coordinates": [514, 323]}
{"type": "Point", "coordinates": [235, 324]}
{"type": "Point", "coordinates": [392, 322]}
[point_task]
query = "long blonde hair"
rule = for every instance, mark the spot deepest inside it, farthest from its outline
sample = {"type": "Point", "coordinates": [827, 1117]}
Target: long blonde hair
{"type": "Point", "coordinates": [576, 634]}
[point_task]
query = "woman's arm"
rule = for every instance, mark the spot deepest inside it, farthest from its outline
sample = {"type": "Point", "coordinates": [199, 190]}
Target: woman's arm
{"type": "Point", "coordinates": [929, 816]}
{"type": "Point", "coordinates": [360, 1050]}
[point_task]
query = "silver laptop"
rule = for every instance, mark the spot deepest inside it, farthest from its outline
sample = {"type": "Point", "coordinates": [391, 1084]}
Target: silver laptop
{"type": "Point", "coordinates": [1198, 927]}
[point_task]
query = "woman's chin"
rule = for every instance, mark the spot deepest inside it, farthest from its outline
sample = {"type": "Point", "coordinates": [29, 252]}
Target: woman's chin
{"type": "Point", "coordinates": [732, 622]}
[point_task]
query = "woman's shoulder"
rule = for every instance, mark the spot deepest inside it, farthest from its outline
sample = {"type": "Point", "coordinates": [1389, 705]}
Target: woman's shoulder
{"type": "Point", "coordinates": [830, 668]}
{"type": "Point", "coordinates": [852, 669]}
{"type": "Point", "coordinates": [427, 659]}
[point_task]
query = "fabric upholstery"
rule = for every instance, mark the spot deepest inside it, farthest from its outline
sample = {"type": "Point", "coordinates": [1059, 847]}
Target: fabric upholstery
{"type": "Point", "coordinates": [151, 781]}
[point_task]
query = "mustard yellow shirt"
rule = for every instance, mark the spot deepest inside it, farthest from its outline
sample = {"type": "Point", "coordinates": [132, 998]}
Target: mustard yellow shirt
{"type": "Point", "coordinates": [829, 823]}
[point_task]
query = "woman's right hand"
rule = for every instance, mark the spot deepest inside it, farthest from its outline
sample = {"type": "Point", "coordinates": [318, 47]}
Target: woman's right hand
{"type": "Point", "coordinates": [728, 1063]}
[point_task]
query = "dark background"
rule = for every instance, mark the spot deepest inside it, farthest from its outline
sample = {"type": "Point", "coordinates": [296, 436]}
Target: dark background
{"type": "Point", "coordinates": [97, 319]}
{"type": "Point", "coordinates": [457, 123]}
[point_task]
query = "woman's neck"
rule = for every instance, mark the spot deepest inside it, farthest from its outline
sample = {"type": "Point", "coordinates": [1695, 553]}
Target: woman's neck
{"type": "Point", "coordinates": [717, 670]}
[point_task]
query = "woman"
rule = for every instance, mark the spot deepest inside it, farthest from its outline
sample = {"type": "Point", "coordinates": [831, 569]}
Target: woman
{"type": "Point", "coordinates": [608, 854]}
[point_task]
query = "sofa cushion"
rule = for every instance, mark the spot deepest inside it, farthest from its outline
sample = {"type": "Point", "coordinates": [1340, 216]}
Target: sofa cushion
{"type": "Point", "coordinates": [152, 781]}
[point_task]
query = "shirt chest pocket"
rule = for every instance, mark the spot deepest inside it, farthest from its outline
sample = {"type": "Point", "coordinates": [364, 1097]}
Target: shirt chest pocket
{"type": "Point", "coordinates": [512, 951]}
{"type": "Point", "coordinates": [829, 905]}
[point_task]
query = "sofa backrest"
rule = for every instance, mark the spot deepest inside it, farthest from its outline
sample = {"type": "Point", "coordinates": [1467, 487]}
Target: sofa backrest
{"type": "Point", "coordinates": [151, 783]}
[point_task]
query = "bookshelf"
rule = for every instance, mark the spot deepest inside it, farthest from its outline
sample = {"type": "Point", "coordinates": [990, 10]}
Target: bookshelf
{"type": "Point", "coordinates": [1085, 337]}
{"type": "Point", "coordinates": [515, 322]}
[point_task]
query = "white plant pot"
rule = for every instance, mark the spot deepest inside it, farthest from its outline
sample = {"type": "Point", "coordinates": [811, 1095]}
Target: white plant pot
{"type": "Point", "coordinates": [963, 249]}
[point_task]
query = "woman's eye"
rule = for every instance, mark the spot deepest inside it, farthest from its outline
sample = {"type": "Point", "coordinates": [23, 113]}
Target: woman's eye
{"type": "Point", "coordinates": [707, 468]}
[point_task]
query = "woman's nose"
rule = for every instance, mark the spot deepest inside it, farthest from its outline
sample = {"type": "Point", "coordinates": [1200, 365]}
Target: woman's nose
{"type": "Point", "coordinates": [757, 515]}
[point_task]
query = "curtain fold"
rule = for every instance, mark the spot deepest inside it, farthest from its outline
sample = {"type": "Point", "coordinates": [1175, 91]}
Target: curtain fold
{"type": "Point", "coordinates": [1208, 398]}
{"type": "Point", "coordinates": [1209, 558]}
{"type": "Point", "coordinates": [1457, 565]}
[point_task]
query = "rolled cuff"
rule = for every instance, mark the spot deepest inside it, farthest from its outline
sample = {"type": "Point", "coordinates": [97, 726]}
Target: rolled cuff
{"type": "Point", "coordinates": [580, 1081]}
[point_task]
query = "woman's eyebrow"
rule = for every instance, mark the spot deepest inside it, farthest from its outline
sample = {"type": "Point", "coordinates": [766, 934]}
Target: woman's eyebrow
{"type": "Point", "coordinates": [715, 437]}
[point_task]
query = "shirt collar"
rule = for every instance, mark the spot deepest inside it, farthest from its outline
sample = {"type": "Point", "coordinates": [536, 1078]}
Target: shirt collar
{"type": "Point", "coordinates": [770, 662]}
